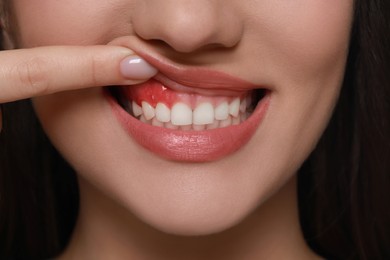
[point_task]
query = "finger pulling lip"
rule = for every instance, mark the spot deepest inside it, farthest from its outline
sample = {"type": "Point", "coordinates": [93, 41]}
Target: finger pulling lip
{"type": "Point", "coordinates": [184, 145]}
{"type": "Point", "coordinates": [184, 77]}
{"type": "Point", "coordinates": [180, 76]}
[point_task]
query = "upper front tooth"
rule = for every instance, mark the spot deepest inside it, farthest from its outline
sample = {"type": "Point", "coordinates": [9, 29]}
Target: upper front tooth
{"type": "Point", "coordinates": [137, 110]}
{"type": "Point", "coordinates": [181, 114]}
{"type": "Point", "coordinates": [148, 110]}
{"type": "Point", "coordinates": [203, 114]}
{"type": "Point", "coordinates": [222, 111]}
{"type": "Point", "coordinates": [234, 107]}
{"type": "Point", "coordinates": [163, 113]}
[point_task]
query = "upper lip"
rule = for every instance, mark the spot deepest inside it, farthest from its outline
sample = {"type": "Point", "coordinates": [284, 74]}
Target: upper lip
{"type": "Point", "coordinates": [183, 77]}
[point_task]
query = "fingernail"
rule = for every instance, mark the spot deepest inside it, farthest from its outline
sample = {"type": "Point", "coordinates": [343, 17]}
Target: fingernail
{"type": "Point", "coordinates": [134, 67]}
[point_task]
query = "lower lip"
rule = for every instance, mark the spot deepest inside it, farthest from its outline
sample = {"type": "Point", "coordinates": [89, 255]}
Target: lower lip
{"type": "Point", "coordinates": [191, 146]}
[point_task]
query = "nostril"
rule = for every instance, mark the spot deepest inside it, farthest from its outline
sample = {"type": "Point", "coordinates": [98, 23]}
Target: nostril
{"type": "Point", "coordinates": [184, 44]}
{"type": "Point", "coordinates": [183, 56]}
{"type": "Point", "coordinates": [187, 26]}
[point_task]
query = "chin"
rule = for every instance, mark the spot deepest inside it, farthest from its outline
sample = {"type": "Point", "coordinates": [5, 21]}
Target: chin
{"type": "Point", "coordinates": [193, 215]}
{"type": "Point", "coordinates": [192, 223]}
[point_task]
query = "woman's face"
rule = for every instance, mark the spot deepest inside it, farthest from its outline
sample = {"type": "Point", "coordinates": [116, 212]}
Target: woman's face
{"type": "Point", "coordinates": [207, 181]}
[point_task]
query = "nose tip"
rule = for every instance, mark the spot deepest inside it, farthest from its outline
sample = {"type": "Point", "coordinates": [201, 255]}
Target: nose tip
{"type": "Point", "coordinates": [186, 32]}
{"type": "Point", "coordinates": [187, 25]}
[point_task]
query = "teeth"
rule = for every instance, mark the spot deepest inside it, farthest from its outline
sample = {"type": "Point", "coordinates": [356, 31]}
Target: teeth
{"type": "Point", "coordinates": [185, 127]}
{"type": "Point", "coordinates": [234, 107]}
{"type": "Point", "coordinates": [244, 116]}
{"type": "Point", "coordinates": [157, 122]}
{"type": "Point", "coordinates": [163, 113]}
{"type": "Point", "coordinates": [226, 122]}
{"type": "Point", "coordinates": [203, 114]}
{"type": "Point", "coordinates": [148, 110]}
{"type": "Point", "coordinates": [169, 125]}
{"type": "Point", "coordinates": [248, 101]}
{"type": "Point", "coordinates": [243, 106]}
{"type": "Point", "coordinates": [222, 111]}
{"type": "Point", "coordinates": [199, 127]}
{"type": "Point", "coordinates": [137, 110]}
{"type": "Point", "coordinates": [213, 125]}
{"type": "Point", "coordinates": [143, 119]}
{"type": "Point", "coordinates": [236, 120]}
{"type": "Point", "coordinates": [181, 114]}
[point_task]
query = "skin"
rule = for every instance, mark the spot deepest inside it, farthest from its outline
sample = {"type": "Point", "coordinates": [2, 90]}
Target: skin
{"type": "Point", "coordinates": [135, 204]}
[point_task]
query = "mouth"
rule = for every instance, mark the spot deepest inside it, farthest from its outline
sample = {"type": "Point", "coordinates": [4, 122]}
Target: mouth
{"type": "Point", "coordinates": [155, 104]}
{"type": "Point", "coordinates": [191, 115]}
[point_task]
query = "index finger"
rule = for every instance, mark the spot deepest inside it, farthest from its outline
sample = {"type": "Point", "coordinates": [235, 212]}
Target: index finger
{"type": "Point", "coordinates": [39, 71]}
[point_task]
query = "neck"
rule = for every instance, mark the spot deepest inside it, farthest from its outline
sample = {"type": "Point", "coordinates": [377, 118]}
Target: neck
{"type": "Point", "coordinates": [107, 231]}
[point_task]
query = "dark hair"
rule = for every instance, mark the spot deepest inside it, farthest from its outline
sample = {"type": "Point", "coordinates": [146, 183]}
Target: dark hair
{"type": "Point", "coordinates": [343, 186]}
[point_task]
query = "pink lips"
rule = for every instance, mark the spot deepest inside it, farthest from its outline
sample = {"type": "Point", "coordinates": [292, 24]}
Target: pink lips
{"type": "Point", "coordinates": [199, 78]}
{"type": "Point", "coordinates": [193, 146]}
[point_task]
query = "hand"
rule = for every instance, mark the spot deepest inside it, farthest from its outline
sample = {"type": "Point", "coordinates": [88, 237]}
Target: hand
{"type": "Point", "coordinates": [27, 73]}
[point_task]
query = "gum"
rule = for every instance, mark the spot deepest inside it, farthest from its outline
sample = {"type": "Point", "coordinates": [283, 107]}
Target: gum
{"type": "Point", "coordinates": [155, 92]}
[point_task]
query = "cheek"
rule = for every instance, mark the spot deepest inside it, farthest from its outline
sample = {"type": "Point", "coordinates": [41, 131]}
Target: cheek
{"type": "Point", "coordinates": [301, 47]}
{"type": "Point", "coordinates": [301, 37]}
{"type": "Point", "coordinates": [84, 22]}
{"type": "Point", "coordinates": [314, 31]}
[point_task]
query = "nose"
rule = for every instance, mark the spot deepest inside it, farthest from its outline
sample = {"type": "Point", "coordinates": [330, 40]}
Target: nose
{"type": "Point", "coordinates": [188, 25]}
